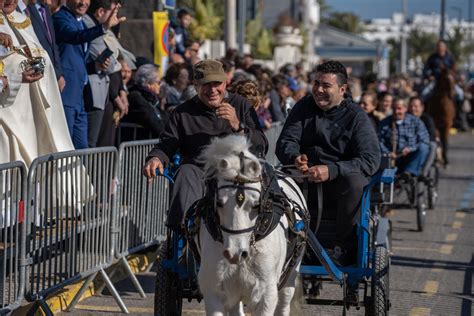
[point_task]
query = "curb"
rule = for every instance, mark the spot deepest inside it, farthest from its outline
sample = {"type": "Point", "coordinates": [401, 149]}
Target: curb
{"type": "Point", "coordinates": [61, 300]}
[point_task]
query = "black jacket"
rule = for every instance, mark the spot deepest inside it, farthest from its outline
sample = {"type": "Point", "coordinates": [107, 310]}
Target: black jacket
{"type": "Point", "coordinates": [341, 138]}
{"type": "Point", "coordinates": [193, 125]}
{"type": "Point", "coordinates": [145, 110]}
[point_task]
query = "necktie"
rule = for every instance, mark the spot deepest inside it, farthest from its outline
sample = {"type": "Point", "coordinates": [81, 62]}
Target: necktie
{"type": "Point", "coordinates": [42, 10]}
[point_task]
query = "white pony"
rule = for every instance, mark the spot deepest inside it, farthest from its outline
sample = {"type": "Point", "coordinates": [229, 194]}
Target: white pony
{"type": "Point", "coordinates": [239, 269]}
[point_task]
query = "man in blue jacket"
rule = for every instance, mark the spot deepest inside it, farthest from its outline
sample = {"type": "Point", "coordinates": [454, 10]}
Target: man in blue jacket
{"type": "Point", "coordinates": [40, 16]}
{"type": "Point", "coordinates": [72, 39]}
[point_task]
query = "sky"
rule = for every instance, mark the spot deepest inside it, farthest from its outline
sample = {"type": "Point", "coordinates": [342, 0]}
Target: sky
{"type": "Point", "coordinates": [369, 9]}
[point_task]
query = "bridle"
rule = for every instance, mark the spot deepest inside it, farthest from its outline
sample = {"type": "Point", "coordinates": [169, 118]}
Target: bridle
{"type": "Point", "coordinates": [238, 183]}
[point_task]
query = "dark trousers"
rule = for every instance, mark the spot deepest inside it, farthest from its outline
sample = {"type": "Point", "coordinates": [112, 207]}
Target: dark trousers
{"type": "Point", "coordinates": [342, 196]}
{"type": "Point", "coordinates": [188, 188]}
{"type": "Point", "coordinates": [107, 128]}
{"type": "Point", "coordinates": [94, 122]}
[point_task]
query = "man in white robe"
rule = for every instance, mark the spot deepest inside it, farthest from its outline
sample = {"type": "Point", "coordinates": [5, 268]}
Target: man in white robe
{"type": "Point", "coordinates": [32, 120]}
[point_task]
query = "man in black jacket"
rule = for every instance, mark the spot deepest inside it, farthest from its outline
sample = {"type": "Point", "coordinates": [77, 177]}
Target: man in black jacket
{"type": "Point", "coordinates": [330, 138]}
{"type": "Point", "coordinates": [192, 125]}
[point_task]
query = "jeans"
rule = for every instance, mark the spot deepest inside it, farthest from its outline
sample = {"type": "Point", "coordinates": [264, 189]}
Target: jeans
{"type": "Point", "coordinates": [413, 163]}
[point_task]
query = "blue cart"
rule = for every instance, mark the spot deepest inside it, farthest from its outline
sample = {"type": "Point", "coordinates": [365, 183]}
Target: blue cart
{"type": "Point", "coordinates": [371, 272]}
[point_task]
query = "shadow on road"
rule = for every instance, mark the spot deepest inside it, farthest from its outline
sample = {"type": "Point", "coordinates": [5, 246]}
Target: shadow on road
{"type": "Point", "coordinates": [430, 264]}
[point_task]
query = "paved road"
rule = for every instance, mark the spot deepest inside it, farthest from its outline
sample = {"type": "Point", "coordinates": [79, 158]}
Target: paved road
{"type": "Point", "coordinates": [432, 272]}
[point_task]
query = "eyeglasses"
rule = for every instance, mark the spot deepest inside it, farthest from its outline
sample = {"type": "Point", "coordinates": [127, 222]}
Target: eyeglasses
{"type": "Point", "coordinates": [194, 50]}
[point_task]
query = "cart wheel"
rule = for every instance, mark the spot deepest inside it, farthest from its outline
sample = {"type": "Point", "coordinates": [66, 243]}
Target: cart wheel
{"type": "Point", "coordinates": [167, 299]}
{"type": "Point", "coordinates": [433, 188]}
{"type": "Point", "coordinates": [421, 203]}
{"type": "Point", "coordinates": [432, 197]}
{"type": "Point", "coordinates": [380, 302]}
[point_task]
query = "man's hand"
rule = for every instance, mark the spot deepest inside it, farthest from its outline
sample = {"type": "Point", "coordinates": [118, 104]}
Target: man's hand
{"type": "Point", "coordinates": [149, 170]}
{"type": "Point", "coordinates": [227, 112]}
{"type": "Point", "coordinates": [104, 66]}
{"type": "Point", "coordinates": [319, 173]}
{"type": "Point", "coordinates": [6, 40]}
{"type": "Point", "coordinates": [405, 151]}
{"type": "Point", "coordinates": [392, 155]}
{"type": "Point", "coordinates": [5, 82]}
{"type": "Point", "coordinates": [124, 98]}
{"type": "Point", "coordinates": [61, 83]}
{"type": "Point", "coordinates": [301, 163]}
{"type": "Point", "coordinates": [122, 106]}
{"type": "Point", "coordinates": [113, 20]}
{"type": "Point", "coordinates": [30, 76]}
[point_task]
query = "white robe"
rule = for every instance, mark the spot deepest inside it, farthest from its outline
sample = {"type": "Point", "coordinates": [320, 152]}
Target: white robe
{"type": "Point", "coordinates": [33, 123]}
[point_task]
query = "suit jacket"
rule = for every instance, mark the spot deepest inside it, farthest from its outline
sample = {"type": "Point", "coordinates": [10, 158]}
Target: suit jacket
{"type": "Point", "coordinates": [72, 38]}
{"type": "Point", "coordinates": [42, 34]}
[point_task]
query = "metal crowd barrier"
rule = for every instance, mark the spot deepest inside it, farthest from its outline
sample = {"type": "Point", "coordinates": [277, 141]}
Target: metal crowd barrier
{"type": "Point", "coordinates": [272, 136]}
{"type": "Point", "coordinates": [140, 206]}
{"type": "Point", "coordinates": [70, 209]}
{"type": "Point", "coordinates": [85, 209]}
{"type": "Point", "coordinates": [12, 235]}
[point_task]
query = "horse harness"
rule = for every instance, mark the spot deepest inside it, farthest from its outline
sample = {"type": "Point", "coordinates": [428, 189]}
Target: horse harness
{"type": "Point", "coordinates": [273, 205]}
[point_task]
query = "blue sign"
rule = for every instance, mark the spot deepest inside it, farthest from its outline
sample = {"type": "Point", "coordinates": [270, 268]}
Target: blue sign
{"type": "Point", "coordinates": [169, 4]}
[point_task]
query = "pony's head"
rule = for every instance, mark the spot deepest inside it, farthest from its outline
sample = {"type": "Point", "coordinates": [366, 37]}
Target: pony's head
{"type": "Point", "coordinates": [237, 173]}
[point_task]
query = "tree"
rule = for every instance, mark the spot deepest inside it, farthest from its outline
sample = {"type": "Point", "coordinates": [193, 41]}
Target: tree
{"type": "Point", "coordinates": [421, 43]}
{"type": "Point", "coordinates": [259, 38]}
{"type": "Point", "coordinates": [208, 18]}
{"type": "Point", "coordinates": [345, 21]}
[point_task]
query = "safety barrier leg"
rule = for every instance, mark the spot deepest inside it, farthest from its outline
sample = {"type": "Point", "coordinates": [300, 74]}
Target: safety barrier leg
{"type": "Point", "coordinates": [40, 303]}
{"type": "Point", "coordinates": [113, 291]}
{"type": "Point", "coordinates": [79, 294]}
{"type": "Point", "coordinates": [102, 286]}
{"type": "Point", "coordinates": [132, 277]}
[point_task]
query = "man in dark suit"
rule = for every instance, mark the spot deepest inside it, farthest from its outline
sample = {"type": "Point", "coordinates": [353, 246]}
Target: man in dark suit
{"type": "Point", "coordinates": [72, 39]}
{"type": "Point", "coordinates": [40, 16]}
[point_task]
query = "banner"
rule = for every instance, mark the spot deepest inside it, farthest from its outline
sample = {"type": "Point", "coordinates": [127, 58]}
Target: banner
{"type": "Point", "coordinates": [160, 30]}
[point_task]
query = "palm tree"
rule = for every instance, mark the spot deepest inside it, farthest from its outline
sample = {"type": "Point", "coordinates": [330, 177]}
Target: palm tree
{"type": "Point", "coordinates": [345, 21]}
{"type": "Point", "coordinates": [208, 18]}
{"type": "Point", "coordinates": [421, 43]}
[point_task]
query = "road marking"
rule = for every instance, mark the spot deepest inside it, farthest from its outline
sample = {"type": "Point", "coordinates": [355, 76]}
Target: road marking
{"type": "Point", "coordinates": [452, 237]}
{"type": "Point", "coordinates": [414, 249]}
{"type": "Point", "coordinates": [420, 311]}
{"type": "Point", "coordinates": [446, 249]}
{"type": "Point", "coordinates": [460, 215]}
{"type": "Point", "coordinates": [456, 225]}
{"type": "Point", "coordinates": [431, 287]}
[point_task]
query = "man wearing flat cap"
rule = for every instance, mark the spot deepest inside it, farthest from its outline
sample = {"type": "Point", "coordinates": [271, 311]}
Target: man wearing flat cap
{"type": "Point", "coordinates": [213, 112]}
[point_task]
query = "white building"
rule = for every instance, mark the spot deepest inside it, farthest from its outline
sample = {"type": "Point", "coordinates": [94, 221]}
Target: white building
{"type": "Point", "coordinates": [384, 29]}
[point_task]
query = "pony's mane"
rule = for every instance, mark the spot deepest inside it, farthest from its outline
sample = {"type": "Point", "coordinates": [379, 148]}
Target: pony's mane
{"type": "Point", "coordinates": [228, 148]}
